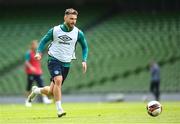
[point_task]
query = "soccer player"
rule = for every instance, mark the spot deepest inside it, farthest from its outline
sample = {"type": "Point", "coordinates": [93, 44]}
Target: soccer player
{"type": "Point", "coordinates": [61, 51]}
{"type": "Point", "coordinates": [34, 72]}
{"type": "Point", "coordinates": [155, 80]}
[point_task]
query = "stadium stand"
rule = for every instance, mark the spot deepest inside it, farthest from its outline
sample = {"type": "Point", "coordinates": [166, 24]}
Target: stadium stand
{"type": "Point", "coordinates": [121, 47]}
{"type": "Point", "coordinates": [17, 31]}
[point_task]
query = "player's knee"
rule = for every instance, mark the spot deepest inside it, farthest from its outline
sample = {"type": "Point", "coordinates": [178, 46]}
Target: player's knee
{"type": "Point", "coordinates": [58, 80]}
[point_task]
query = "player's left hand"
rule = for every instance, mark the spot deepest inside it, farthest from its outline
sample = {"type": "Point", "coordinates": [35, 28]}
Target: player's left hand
{"type": "Point", "coordinates": [84, 67]}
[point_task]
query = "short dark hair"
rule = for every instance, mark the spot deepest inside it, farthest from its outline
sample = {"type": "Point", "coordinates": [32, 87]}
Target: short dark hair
{"type": "Point", "coordinates": [71, 11]}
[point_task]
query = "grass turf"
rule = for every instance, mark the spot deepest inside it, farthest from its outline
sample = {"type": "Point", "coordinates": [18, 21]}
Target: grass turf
{"type": "Point", "coordinates": [87, 113]}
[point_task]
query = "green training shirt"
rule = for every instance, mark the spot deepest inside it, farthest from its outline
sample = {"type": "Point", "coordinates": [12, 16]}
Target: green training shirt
{"type": "Point", "coordinates": [80, 39]}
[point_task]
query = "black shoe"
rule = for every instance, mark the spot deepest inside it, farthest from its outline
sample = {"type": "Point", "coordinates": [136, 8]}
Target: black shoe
{"type": "Point", "coordinates": [61, 114]}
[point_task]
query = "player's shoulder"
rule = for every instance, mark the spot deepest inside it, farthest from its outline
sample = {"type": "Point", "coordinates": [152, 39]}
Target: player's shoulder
{"type": "Point", "coordinates": [76, 29]}
{"type": "Point", "coordinates": [81, 35]}
{"type": "Point", "coordinates": [57, 26]}
{"type": "Point", "coordinates": [28, 52]}
{"type": "Point", "coordinates": [80, 32]}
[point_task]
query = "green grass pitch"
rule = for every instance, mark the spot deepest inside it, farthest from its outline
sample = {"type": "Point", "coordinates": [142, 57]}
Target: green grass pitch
{"type": "Point", "coordinates": [89, 113]}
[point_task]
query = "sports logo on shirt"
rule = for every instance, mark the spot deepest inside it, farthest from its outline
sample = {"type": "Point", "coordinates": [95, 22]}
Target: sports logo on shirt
{"type": "Point", "coordinates": [56, 72]}
{"type": "Point", "coordinates": [65, 38]}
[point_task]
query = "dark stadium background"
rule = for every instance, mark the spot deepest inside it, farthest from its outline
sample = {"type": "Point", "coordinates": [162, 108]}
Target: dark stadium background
{"type": "Point", "coordinates": [123, 37]}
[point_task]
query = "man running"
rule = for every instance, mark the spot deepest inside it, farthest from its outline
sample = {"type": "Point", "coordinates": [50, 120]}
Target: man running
{"type": "Point", "coordinates": [61, 51]}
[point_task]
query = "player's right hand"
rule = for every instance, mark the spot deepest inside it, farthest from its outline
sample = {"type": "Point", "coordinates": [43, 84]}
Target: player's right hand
{"type": "Point", "coordinates": [33, 69]}
{"type": "Point", "coordinates": [84, 66]}
{"type": "Point", "coordinates": [37, 56]}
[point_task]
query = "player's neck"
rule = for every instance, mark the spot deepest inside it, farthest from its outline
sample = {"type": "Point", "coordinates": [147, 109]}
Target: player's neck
{"type": "Point", "coordinates": [67, 28]}
{"type": "Point", "coordinates": [33, 50]}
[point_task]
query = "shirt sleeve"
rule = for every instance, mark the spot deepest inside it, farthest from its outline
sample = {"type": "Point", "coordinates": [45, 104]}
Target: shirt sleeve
{"type": "Point", "coordinates": [84, 45]}
{"type": "Point", "coordinates": [27, 56]}
{"type": "Point", "coordinates": [47, 37]}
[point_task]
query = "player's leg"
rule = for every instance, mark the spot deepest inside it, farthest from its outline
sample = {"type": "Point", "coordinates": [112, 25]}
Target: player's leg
{"type": "Point", "coordinates": [39, 90]}
{"type": "Point", "coordinates": [64, 71]}
{"type": "Point", "coordinates": [57, 87]}
{"type": "Point", "coordinates": [29, 85]}
{"type": "Point", "coordinates": [51, 88]}
{"type": "Point", "coordinates": [36, 90]}
{"type": "Point", "coordinates": [58, 94]}
{"type": "Point", "coordinates": [158, 87]}
{"type": "Point", "coordinates": [40, 84]}
{"type": "Point", "coordinates": [153, 89]}
{"type": "Point", "coordinates": [157, 92]}
{"type": "Point", "coordinates": [45, 90]}
{"type": "Point", "coordinates": [30, 80]}
{"type": "Point", "coordinates": [56, 70]}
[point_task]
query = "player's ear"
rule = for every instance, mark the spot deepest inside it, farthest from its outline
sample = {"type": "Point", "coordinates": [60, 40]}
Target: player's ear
{"type": "Point", "coordinates": [65, 17]}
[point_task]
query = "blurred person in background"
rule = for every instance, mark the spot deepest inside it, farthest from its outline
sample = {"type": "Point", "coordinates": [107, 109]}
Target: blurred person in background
{"type": "Point", "coordinates": [155, 80]}
{"type": "Point", "coordinates": [60, 54]}
{"type": "Point", "coordinates": [34, 72]}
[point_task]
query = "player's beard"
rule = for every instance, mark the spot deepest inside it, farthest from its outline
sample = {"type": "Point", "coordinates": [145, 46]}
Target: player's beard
{"type": "Point", "coordinates": [72, 25]}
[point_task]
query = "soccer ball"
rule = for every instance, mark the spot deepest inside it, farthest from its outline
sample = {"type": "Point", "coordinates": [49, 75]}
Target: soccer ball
{"type": "Point", "coordinates": [154, 108]}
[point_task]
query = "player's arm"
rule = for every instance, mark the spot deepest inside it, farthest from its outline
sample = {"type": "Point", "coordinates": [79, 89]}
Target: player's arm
{"type": "Point", "coordinates": [47, 37]}
{"type": "Point", "coordinates": [84, 45]}
{"type": "Point", "coordinates": [27, 63]}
